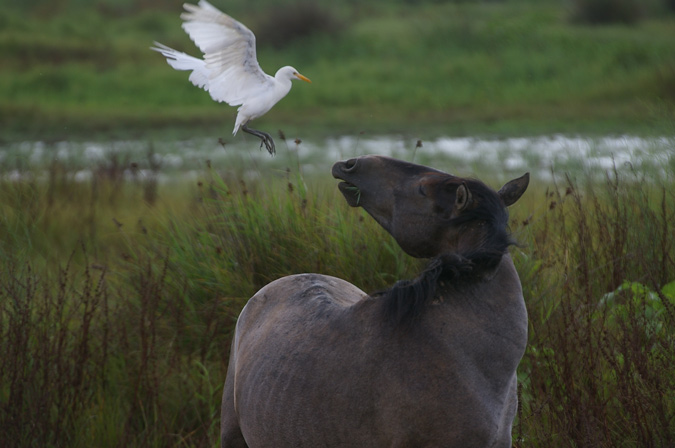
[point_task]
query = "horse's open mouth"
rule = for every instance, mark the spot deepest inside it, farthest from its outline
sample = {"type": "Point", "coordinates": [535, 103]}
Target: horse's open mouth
{"type": "Point", "coordinates": [351, 193]}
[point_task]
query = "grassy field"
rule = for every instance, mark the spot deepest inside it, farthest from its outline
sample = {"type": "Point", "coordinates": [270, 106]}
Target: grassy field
{"type": "Point", "coordinates": [71, 69]}
{"type": "Point", "coordinates": [119, 295]}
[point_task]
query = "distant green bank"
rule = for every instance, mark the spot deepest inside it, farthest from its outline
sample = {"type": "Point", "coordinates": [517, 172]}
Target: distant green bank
{"type": "Point", "coordinates": [425, 68]}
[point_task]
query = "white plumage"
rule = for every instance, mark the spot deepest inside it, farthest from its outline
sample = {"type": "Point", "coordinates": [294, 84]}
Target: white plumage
{"type": "Point", "coordinates": [230, 71]}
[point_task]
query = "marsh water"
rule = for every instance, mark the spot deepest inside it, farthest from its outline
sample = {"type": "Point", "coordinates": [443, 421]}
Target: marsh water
{"type": "Point", "coordinates": [545, 157]}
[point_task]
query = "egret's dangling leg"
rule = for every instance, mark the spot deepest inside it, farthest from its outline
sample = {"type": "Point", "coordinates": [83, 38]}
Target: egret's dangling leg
{"type": "Point", "coordinates": [265, 138]}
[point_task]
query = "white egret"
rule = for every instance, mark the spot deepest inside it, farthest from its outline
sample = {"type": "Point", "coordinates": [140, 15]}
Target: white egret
{"type": "Point", "coordinates": [230, 71]}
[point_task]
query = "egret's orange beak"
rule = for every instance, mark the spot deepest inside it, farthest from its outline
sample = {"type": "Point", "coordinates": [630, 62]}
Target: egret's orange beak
{"type": "Point", "coordinates": [304, 78]}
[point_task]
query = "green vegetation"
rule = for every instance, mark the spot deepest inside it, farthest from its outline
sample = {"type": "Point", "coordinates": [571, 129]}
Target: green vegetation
{"type": "Point", "coordinates": [517, 67]}
{"type": "Point", "coordinates": [598, 275]}
{"type": "Point", "coordinates": [118, 298]}
{"type": "Point", "coordinates": [119, 294]}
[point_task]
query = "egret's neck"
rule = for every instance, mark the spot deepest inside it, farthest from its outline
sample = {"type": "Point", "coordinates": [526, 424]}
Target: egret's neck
{"type": "Point", "coordinates": [282, 81]}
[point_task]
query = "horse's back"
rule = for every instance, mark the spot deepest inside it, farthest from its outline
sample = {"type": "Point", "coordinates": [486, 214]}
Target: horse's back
{"type": "Point", "coordinates": [304, 289]}
{"type": "Point", "coordinates": [297, 296]}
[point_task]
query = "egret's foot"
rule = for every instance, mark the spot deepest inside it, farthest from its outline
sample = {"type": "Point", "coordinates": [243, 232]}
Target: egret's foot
{"type": "Point", "coordinates": [269, 144]}
{"type": "Point", "coordinates": [265, 139]}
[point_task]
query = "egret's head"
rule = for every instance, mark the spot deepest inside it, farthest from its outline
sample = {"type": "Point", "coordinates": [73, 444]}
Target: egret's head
{"type": "Point", "coordinates": [289, 72]}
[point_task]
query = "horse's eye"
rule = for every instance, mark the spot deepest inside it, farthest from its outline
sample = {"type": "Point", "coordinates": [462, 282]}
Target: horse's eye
{"type": "Point", "coordinates": [421, 190]}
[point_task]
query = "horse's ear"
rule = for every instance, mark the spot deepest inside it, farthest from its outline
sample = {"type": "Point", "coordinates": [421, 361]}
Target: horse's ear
{"type": "Point", "coordinates": [462, 197]}
{"type": "Point", "coordinates": [514, 189]}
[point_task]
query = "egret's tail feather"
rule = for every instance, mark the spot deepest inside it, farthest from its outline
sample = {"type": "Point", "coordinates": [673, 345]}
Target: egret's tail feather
{"type": "Point", "coordinates": [182, 61]}
{"type": "Point", "coordinates": [177, 59]}
{"type": "Point", "coordinates": [239, 122]}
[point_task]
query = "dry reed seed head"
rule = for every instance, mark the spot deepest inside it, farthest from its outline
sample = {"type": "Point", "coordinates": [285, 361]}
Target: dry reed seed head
{"type": "Point", "coordinates": [418, 144]}
{"type": "Point", "coordinates": [298, 141]}
{"type": "Point", "coordinates": [281, 134]}
{"type": "Point", "coordinates": [244, 188]}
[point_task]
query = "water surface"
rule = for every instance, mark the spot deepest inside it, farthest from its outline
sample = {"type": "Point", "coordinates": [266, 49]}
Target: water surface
{"type": "Point", "coordinates": [544, 157]}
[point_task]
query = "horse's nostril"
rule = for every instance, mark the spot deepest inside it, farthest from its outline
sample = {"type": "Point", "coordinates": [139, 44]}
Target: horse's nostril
{"type": "Point", "coordinates": [350, 165]}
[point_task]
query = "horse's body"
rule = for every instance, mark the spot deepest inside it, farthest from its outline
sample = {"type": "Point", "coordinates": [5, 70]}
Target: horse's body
{"type": "Point", "coordinates": [317, 362]}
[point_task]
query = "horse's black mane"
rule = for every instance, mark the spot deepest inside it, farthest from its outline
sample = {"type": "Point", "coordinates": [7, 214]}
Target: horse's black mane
{"type": "Point", "coordinates": [407, 299]}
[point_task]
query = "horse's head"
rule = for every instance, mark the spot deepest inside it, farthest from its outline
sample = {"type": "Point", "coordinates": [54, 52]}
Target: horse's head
{"type": "Point", "coordinates": [427, 211]}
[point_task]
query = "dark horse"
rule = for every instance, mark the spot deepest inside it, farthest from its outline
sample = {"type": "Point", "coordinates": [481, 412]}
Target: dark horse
{"type": "Point", "coordinates": [431, 362]}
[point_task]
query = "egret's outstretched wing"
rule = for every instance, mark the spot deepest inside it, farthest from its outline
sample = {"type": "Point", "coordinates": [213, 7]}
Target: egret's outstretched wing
{"type": "Point", "coordinates": [229, 54]}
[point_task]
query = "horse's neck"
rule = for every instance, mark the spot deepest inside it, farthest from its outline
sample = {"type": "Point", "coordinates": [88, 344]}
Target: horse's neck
{"type": "Point", "coordinates": [497, 298]}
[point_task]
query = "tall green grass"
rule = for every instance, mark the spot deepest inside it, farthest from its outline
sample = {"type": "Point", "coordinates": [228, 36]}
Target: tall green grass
{"type": "Point", "coordinates": [121, 336]}
{"type": "Point", "coordinates": [263, 231]}
{"type": "Point", "coordinates": [115, 331]}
